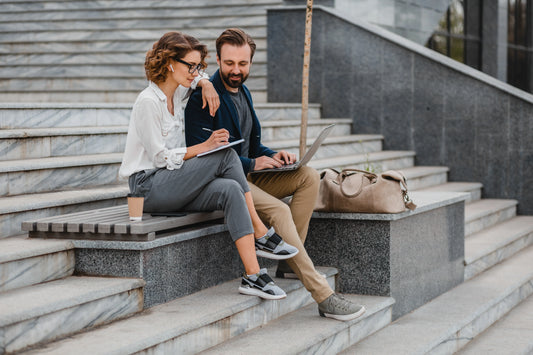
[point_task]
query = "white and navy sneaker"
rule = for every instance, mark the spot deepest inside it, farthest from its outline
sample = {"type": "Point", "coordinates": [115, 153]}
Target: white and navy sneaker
{"type": "Point", "coordinates": [261, 285]}
{"type": "Point", "coordinates": [271, 246]}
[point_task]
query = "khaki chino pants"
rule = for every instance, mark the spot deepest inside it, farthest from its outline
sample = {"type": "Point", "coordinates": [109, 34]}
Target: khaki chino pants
{"type": "Point", "coordinates": [291, 222]}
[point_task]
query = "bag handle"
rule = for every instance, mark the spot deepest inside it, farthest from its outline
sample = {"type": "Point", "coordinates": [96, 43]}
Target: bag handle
{"type": "Point", "coordinates": [344, 173]}
{"type": "Point", "coordinates": [403, 182]}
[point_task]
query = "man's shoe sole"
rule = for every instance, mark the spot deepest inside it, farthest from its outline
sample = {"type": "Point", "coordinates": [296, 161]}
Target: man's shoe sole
{"type": "Point", "coordinates": [343, 317]}
{"type": "Point", "coordinates": [255, 292]}
{"type": "Point", "coordinates": [269, 255]}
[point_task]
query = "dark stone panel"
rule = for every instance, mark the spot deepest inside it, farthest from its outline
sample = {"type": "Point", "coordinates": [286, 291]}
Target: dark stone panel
{"type": "Point", "coordinates": [430, 83]}
{"type": "Point", "coordinates": [397, 98]}
{"type": "Point", "coordinates": [492, 141]}
{"type": "Point", "coordinates": [489, 37]}
{"type": "Point", "coordinates": [426, 261]}
{"type": "Point", "coordinates": [170, 271]}
{"type": "Point", "coordinates": [460, 143]}
{"type": "Point", "coordinates": [285, 38]}
{"type": "Point", "coordinates": [413, 259]}
{"type": "Point", "coordinates": [359, 249]}
{"type": "Point", "coordinates": [519, 184]}
{"type": "Point", "coordinates": [105, 262]}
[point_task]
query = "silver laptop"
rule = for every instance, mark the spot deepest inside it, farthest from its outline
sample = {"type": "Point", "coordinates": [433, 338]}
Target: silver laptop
{"type": "Point", "coordinates": [307, 156]}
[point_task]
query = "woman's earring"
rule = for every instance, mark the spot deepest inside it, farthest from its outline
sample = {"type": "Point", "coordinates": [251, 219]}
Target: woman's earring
{"type": "Point", "coordinates": [171, 68]}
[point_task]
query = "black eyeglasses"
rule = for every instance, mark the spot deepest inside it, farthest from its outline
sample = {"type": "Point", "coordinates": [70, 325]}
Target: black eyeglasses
{"type": "Point", "coordinates": [192, 68]}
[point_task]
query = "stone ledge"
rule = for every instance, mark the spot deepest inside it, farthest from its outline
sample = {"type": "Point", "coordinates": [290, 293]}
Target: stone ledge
{"type": "Point", "coordinates": [425, 201]}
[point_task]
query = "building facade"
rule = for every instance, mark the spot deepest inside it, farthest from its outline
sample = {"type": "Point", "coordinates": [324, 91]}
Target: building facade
{"type": "Point", "coordinates": [494, 36]}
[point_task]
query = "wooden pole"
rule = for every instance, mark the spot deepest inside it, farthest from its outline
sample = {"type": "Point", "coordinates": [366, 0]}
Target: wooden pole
{"type": "Point", "coordinates": [305, 77]}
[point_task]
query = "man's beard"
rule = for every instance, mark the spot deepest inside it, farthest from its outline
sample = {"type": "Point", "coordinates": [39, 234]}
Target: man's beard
{"type": "Point", "coordinates": [234, 83]}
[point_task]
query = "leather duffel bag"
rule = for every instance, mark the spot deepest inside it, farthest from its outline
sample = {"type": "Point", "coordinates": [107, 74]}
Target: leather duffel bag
{"type": "Point", "coordinates": [354, 190]}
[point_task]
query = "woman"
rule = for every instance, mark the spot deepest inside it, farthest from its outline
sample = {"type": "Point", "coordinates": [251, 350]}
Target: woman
{"type": "Point", "coordinates": [172, 178]}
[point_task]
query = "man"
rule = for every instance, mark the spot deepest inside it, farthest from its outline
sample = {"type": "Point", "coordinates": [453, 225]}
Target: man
{"type": "Point", "coordinates": [235, 50]}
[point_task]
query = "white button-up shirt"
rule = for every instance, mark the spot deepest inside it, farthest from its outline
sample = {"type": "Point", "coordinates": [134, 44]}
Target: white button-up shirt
{"type": "Point", "coordinates": [156, 138]}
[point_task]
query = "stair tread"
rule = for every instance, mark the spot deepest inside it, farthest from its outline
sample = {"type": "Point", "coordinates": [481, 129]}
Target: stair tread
{"type": "Point", "coordinates": [359, 158]}
{"type": "Point", "coordinates": [303, 327]}
{"type": "Point", "coordinates": [484, 207]}
{"type": "Point", "coordinates": [199, 5]}
{"type": "Point", "coordinates": [60, 162]}
{"type": "Point", "coordinates": [493, 238]}
{"type": "Point", "coordinates": [33, 301]}
{"type": "Point", "coordinates": [454, 186]}
{"type": "Point", "coordinates": [419, 171]}
{"type": "Point", "coordinates": [512, 334]}
{"type": "Point", "coordinates": [21, 247]}
{"type": "Point", "coordinates": [60, 131]}
{"type": "Point", "coordinates": [441, 319]}
{"type": "Point", "coordinates": [321, 121]}
{"type": "Point", "coordinates": [12, 204]}
{"type": "Point", "coordinates": [169, 320]}
{"type": "Point", "coordinates": [351, 138]}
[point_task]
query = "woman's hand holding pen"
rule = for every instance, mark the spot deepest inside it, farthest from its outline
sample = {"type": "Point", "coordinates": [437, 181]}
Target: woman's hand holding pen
{"type": "Point", "coordinates": [218, 138]}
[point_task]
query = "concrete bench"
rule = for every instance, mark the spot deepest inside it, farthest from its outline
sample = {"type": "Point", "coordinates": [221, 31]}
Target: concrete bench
{"type": "Point", "coordinates": [111, 223]}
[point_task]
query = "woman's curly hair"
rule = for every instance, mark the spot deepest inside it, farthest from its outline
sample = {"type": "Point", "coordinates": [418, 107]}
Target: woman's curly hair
{"type": "Point", "coordinates": [173, 45]}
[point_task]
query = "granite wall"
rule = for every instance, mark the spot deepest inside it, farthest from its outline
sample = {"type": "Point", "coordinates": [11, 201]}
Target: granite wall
{"type": "Point", "coordinates": [447, 112]}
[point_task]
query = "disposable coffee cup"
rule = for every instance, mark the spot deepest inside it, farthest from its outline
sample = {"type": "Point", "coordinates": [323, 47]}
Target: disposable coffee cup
{"type": "Point", "coordinates": [135, 207]}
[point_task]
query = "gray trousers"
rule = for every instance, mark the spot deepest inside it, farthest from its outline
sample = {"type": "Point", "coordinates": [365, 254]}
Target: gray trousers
{"type": "Point", "coordinates": [212, 182]}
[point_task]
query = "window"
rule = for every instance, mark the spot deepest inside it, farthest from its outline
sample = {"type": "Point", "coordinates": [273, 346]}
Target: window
{"type": "Point", "coordinates": [458, 33]}
{"type": "Point", "coordinates": [519, 44]}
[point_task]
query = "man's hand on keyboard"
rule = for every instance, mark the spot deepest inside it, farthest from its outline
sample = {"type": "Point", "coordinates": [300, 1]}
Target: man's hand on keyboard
{"type": "Point", "coordinates": [285, 157]}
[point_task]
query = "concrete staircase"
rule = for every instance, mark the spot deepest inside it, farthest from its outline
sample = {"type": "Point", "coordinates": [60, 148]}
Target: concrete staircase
{"type": "Point", "coordinates": [61, 158]}
{"type": "Point", "coordinates": [41, 300]}
{"type": "Point", "coordinates": [494, 236]}
{"type": "Point", "coordinates": [93, 51]}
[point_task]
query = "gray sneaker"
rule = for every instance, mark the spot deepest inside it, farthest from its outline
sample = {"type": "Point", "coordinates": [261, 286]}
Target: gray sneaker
{"type": "Point", "coordinates": [271, 246]}
{"type": "Point", "coordinates": [261, 285]}
{"type": "Point", "coordinates": [339, 308]}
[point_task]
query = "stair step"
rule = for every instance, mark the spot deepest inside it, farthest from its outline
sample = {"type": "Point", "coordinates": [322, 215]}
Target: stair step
{"type": "Point", "coordinates": [56, 173]}
{"type": "Point", "coordinates": [189, 324]}
{"type": "Point", "coordinates": [35, 143]}
{"type": "Point", "coordinates": [267, 111]}
{"type": "Point", "coordinates": [419, 177]}
{"type": "Point", "coordinates": [118, 45]}
{"type": "Point", "coordinates": [276, 130]}
{"type": "Point", "coordinates": [333, 146]}
{"type": "Point", "coordinates": [17, 209]}
{"type": "Point", "coordinates": [35, 73]}
{"type": "Point", "coordinates": [116, 20]}
{"type": "Point", "coordinates": [513, 334]}
{"type": "Point", "coordinates": [487, 212]}
{"type": "Point", "coordinates": [94, 5]}
{"type": "Point", "coordinates": [47, 61]}
{"type": "Point", "coordinates": [497, 243]}
{"type": "Point", "coordinates": [451, 320]}
{"type": "Point", "coordinates": [135, 83]}
{"type": "Point", "coordinates": [75, 115]}
{"type": "Point", "coordinates": [472, 188]}
{"type": "Point", "coordinates": [44, 312]}
{"type": "Point", "coordinates": [25, 262]}
{"type": "Point", "coordinates": [376, 161]}
{"type": "Point", "coordinates": [303, 331]}
{"type": "Point", "coordinates": [122, 34]}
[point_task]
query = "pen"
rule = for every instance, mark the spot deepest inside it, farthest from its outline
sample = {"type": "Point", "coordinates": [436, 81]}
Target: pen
{"type": "Point", "coordinates": [210, 130]}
